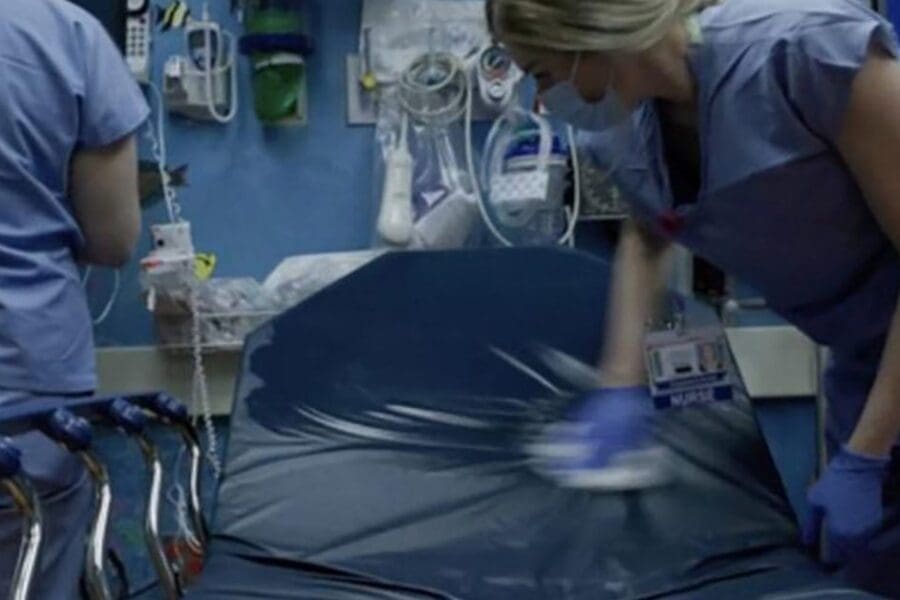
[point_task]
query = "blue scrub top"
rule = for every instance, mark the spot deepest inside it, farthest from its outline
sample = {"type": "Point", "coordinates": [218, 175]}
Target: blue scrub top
{"type": "Point", "coordinates": [777, 206]}
{"type": "Point", "coordinates": [63, 86]}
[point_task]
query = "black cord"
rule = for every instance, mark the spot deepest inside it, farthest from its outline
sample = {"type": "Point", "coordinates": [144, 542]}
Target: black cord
{"type": "Point", "coordinates": [119, 565]}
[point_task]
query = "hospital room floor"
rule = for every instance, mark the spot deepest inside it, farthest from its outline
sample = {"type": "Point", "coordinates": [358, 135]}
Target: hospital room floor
{"type": "Point", "coordinates": [788, 425]}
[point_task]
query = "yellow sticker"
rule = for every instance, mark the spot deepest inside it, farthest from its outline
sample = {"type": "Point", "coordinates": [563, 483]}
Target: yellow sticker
{"type": "Point", "coordinates": [368, 82]}
{"type": "Point", "coordinates": [174, 16]}
{"type": "Point", "coordinates": [204, 266]}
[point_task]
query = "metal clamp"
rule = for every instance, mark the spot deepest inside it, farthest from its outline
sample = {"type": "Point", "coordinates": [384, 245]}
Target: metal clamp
{"type": "Point", "coordinates": [672, 317]}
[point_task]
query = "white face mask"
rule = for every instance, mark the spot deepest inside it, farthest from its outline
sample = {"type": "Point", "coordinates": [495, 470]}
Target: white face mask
{"type": "Point", "coordinates": [563, 100]}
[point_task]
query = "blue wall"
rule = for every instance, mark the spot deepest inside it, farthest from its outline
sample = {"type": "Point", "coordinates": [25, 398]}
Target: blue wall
{"type": "Point", "coordinates": [257, 195]}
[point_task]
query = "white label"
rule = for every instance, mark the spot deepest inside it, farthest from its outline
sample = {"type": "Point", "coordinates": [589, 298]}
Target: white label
{"type": "Point", "coordinates": [517, 189]}
{"type": "Point", "coordinates": [688, 367]}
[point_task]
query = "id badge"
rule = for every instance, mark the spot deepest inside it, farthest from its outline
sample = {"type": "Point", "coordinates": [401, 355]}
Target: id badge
{"type": "Point", "coordinates": [688, 366]}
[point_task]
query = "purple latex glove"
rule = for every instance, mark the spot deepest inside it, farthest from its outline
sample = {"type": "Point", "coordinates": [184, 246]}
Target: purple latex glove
{"type": "Point", "coordinates": [847, 502]}
{"type": "Point", "coordinates": [610, 421]}
{"type": "Point", "coordinates": [604, 443]}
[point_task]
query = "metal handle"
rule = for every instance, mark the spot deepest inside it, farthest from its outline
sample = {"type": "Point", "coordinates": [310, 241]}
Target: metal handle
{"type": "Point", "coordinates": [74, 434]}
{"type": "Point", "coordinates": [195, 506]}
{"type": "Point", "coordinates": [151, 519]}
{"type": "Point", "coordinates": [29, 505]}
{"type": "Point", "coordinates": [176, 414]}
{"type": "Point", "coordinates": [94, 569]}
{"type": "Point", "coordinates": [132, 421]}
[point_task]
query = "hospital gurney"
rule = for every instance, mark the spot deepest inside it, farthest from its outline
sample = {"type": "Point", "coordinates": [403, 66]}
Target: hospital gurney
{"type": "Point", "coordinates": [376, 452]}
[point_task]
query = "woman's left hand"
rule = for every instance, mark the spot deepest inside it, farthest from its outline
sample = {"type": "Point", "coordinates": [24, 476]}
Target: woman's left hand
{"type": "Point", "coordinates": [847, 502]}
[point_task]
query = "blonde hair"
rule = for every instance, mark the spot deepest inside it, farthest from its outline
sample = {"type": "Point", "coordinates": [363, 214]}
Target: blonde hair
{"type": "Point", "coordinates": [580, 25]}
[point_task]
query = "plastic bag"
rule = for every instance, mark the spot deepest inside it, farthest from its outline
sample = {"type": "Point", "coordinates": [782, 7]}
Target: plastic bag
{"type": "Point", "coordinates": [444, 209]}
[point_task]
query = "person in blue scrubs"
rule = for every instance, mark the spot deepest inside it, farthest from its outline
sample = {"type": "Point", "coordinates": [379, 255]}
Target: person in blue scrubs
{"type": "Point", "coordinates": [763, 135]}
{"type": "Point", "coordinates": [68, 196]}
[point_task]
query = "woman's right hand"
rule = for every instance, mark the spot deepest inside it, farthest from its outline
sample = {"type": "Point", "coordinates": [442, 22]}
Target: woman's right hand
{"type": "Point", "coordinates": [605, 442]}
{"type": "Point", "coordinates": [601, 425]}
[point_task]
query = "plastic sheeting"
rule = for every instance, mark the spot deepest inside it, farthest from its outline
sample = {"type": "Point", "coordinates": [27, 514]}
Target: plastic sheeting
{"type": "Point", "coordinates": [376, 452]}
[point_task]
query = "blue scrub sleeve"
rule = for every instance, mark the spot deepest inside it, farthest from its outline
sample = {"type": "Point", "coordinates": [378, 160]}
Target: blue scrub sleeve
{"type": "Point", "coordinates": [822, 64]}
{"type": "Point", "coordinates": [112, 105]}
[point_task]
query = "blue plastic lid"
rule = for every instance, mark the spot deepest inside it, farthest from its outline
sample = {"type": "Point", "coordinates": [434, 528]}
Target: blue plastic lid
{"type": "Point", "coordinates": [168, 407]}
{"type": "Point", "coordinates": [72, 431]}
{"type": "Point", "coordinates": [530, 145]}
{"type": "Point", "coordinates": [127, 416]}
